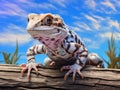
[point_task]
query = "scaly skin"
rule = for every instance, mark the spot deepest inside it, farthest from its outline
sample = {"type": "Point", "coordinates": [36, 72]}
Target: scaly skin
{"type": "Point", "coordinates": [63, 47]}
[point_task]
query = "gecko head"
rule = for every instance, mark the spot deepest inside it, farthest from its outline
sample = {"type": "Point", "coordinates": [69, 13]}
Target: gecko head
{"type": "Point", "coordinates": [46, 26]}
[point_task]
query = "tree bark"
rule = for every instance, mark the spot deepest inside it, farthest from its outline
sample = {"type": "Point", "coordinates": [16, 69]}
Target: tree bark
{"type": "Point", "coordinates": [52, 79]}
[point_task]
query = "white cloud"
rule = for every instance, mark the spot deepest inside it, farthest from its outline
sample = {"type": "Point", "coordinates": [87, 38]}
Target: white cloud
{"type": "Point", "coordinates": [117, 3]}
{"type": "Point", "coordinates": [18, 8]}
{"type": "Point", "coordinates": [12, 28]}
{"type": "Point", "coordinates": [94, 22]}
{"type": "Point", "coordinates": [61, 3]}
{"type": "Point", "coordinates": [91, 44]}
{"type": "Point", "coordinates": [107, 3]}
{"type": "Point", "coordinates": [103, 6]}
{"type": "Point", "coordinates": [76, 17]}
{"type": "Point", "coordinates": [24, 1]}
{"type": "Point", "coordinates": [46, 6]}
{"type": "Point", "coordinates": [91, 19]}
{"type": "Point", "coordinates": [101, 27]}
{"type": "Point", "coordinates": [13, 33]}
{"type": "Point", "coordinates": [91, 4]}
{"type": "Point", "coordinates": [38, 5]}
{"type": "Point", "coordinates": [96, 26]}
{"type": "Point", "coordinates": [107, 35]}
{"type": "Point", "coordinates": [12, 9]}
{"type": "Point", "coordinates": [88, 40]}
{"type": "Point", "coordinates": [82, 26]}
{"type": "Point", "coordinates": [107, 7]}
{"type": "Point", "coordinates": [102, 23]}
{"type": "Point", "coordinates": [10, 38]}
{"type": "Point", "coordinates": [75, 28]}
{"type": "Point", "coordinates": [99, 18]}
{"type": "Point", "coordinates": [114, 23]}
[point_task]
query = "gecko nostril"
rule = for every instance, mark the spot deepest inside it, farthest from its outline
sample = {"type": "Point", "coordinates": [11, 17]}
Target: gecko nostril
{"type": "Point", "coordinates": [42, 24]}
{"type": "Point", "coordinates": [52, 39]}
{"type": "Point", "coordinates": [58, 30]}
{"type": "Point", "coordinates": [46, 39]}
{"type": "Point", "coordinates": [59, 25]}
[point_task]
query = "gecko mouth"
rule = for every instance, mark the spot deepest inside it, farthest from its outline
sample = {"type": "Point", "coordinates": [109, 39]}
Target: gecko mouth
{"type": "Point", "coordinates": [39, 28]}
{"type": "Point", "coordinates": [45, 31]}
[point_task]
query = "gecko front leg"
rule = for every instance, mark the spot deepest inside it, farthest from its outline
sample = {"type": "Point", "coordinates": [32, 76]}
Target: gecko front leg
{"type": "Point", "coordinates": [81, 58]}
{"type": "Point", "coordinates": [37, 49]}
{"type": "Point", "coordinates": [29, 67]}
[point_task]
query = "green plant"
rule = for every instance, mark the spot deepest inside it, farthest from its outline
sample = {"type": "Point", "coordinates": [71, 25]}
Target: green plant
{"type": "Point", "coordinates": [114, 59]}
{"type": "Point", "coordinates": [10, 58]}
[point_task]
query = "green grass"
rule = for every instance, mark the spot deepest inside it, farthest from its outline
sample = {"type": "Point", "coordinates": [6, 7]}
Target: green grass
{"type": "Point", "coordinates": [114, 58]}
{"type": "Point", "coordinates": [11, 58]}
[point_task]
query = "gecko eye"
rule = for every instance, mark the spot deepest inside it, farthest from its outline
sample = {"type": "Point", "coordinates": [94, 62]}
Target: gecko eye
{"type": "Point", "coordinates": [49, 21]}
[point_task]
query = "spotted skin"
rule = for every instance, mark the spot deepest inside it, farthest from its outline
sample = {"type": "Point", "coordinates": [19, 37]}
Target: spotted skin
{"type": "Point", "coordinates": [63, 47]}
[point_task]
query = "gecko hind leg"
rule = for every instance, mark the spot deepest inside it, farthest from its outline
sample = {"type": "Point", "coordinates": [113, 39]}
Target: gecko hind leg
{"type": "Point", "coordinates": [48, 62]}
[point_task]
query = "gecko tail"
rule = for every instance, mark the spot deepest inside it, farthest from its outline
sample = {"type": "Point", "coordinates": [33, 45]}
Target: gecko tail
{"type": "Point", "coordinates": [95, 60]}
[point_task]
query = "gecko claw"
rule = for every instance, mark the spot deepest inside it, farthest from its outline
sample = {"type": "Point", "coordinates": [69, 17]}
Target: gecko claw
{"type": "Point", "coordinates": [22, 72]}
{"type": "Point", "coordinates": [75, 68]}
{"type": "Point", "coordinates": [64, 68]}
{"type": "Point", "coordinates": [22, 66]}
{"type": "Point", "coordinates": [36, 70]}
{"type": "Point", "coordinates": [65, 77]}
{"type": "Point", "coordinates": [28, 77]}
{"type": "Point", "coordinates": [29, 67]}
{"type": "Point", "coordinates": [52, 63]}
{"type": "Point", "coordinates": [80, 74]}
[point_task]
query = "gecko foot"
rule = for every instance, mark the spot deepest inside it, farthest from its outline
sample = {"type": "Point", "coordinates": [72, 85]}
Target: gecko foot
{"type": "Point", "coordinates": [75, 68]}
{"type": "Point", "coordinates": [29, 67]}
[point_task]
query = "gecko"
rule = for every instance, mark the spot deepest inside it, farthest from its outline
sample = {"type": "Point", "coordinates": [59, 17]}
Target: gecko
{"type": "Point", "coordinates": [63, 47]}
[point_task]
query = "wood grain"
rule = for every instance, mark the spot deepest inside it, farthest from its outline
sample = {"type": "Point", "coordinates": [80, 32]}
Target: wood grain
{"type": "Point", "coordinates": [52, 79]}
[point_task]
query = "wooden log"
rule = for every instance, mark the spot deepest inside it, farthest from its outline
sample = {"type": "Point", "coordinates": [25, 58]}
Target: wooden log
{"type": "Point", "coordinates": [52, 79]}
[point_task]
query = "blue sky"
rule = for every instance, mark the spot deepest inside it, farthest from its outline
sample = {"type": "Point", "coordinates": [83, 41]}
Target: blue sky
{"type": "Point", "coordinates": [94, 20]}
